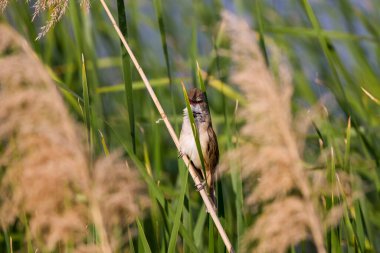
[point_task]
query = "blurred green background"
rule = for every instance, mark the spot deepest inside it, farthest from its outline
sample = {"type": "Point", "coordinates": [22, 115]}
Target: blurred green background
{"type": "Point", "coordinates": [333, 48]}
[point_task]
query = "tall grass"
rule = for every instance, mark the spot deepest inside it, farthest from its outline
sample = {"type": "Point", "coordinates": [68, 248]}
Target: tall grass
{"type": "Point", "coordinates": [332, 50]}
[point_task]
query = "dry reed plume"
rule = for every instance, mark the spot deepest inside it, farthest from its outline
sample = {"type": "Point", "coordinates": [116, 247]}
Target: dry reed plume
{"type": "Point", "coordinates": [55, 8]}
{"type": "Point", "coordinates": [120, 193]}
{"type": "Point", "coordinates": [268, 152]}
{"type": "Point", "coordinates": [45, 167]}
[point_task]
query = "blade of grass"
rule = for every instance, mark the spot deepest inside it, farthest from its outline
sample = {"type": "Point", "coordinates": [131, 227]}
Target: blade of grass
{"type": "Point", "coordinates": [8, 246]}
{"type": "Point", "coordinates": [188, 239]}
{"type": "Point", "coordinates": [335, 241]}
{"type": "Point", "coordinates": [142, 238]}
{"type": "Point", "coordinates": [100, 233]}
{"type": "Point", "coordinates": [84, 46]}
{"type": "Point", "coordinates": [131, 247]}
{"type": "Point", "coordinates": [159, 238]}
{"type": "Point", "coordinates": [178, 213]}
{"type": "Point", "coordinates": [11, 244]}
{"type": "Point", "coordinates": [146, 159]}
{"type": "Point", "coordinates": [127, 72]}
{"type": "Point", "coordinates": [87, 112]}
{"type": "Point", "coordinates": [348, 145]}
{"type": "Point", "coordinates": [200, 79]}
{"type": "Point", "coordinates": [369, 246]}
{"type": "Point", "coordinates": [194, 50]}
{"type": "Point", "coordinates": [199, 227]}
{"type": "Point", "coordinates": [104, 145]}
{"type": "Point", "coordinates": [331, 201]}
{"type": "Point", "coordinates": [372, 97]}
{"type": "Point", "coordinates": [347, 221]}
{"type": "Point", "coordinates": [211, 237]}
{"type": "Point", "coordinates": [239, 201]}
{"type": "Point", "coordinates": [161, 25]}
{"type": "Point", "coordinates": [187, 217]}
{"type": "Point", "coordinates": [237, 185]}
{"type": "Point", "coordinates": [137, 85]}
{"type": "Point", "coordinates": [158, 153]}
{"type": "Point", "coordinates": [359, 227]}
{"type": "Point", "coordinates": [307, 32]}
{"type": "Point", "coordinates": [162, 82]}
{"type": "Point", "coordinates": [160, 18]}
{"type": "Point", "coordinates": [261, 30]}
{"type": "Point", "coordinates": [70, 95]}
{"type": "Point", "coordinates": [28, 236]}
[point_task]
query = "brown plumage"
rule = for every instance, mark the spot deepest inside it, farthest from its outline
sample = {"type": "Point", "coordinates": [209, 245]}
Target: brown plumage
{"type": "Point", "coordinates": [207, 138]}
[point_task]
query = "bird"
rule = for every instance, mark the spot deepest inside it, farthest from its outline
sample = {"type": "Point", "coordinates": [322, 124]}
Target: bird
{"type": "Point", "coordinates": [207, 138]}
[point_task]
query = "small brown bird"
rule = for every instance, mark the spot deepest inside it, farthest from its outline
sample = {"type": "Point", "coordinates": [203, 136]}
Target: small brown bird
{"type": "Point", "coordinates": [207, 139]}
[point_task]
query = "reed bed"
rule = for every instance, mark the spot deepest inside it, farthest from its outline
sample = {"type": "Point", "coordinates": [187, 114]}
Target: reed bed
{"type": "Point", "coordinates": [87, 164]}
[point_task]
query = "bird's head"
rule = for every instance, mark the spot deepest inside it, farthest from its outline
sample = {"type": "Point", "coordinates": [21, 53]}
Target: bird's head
{"type": "Point", "coordinates": [197, 100]}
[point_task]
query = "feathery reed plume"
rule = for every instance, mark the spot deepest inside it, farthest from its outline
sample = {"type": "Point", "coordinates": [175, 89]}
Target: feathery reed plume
{"type": "Point", "coordinates": [43, 156]}
{"type": "Point", "coordinates": [121, 195]}
{"type": "Point", "coordinates": [268, 153]}
{"type": "Point", "coordinates": [56, 9]}
{"type": "Point", "coordinates": [46, 173]}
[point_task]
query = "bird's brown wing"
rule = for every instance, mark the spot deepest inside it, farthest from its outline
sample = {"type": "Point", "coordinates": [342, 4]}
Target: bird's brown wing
{"type": "Point", "coordinates": [212, 153]}
{"type": "Point", "coordinates": [211, 159]}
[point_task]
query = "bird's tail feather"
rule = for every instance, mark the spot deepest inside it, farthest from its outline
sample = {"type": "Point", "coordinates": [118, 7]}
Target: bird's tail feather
{"type": "Point", "coordinates": [213, 197]}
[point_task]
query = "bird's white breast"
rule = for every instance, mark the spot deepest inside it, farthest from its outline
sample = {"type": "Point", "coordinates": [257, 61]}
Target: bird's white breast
{"type": "Point", "coordinates": [187, 142]}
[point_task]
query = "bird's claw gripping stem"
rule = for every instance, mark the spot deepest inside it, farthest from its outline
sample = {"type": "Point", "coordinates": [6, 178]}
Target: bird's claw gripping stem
{"type": "Point", "coordinates": [200, 186]}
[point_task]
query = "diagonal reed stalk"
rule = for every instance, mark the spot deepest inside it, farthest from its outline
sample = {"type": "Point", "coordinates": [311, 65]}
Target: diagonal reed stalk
{"type": "Point", "coordinates": [173, 135]}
